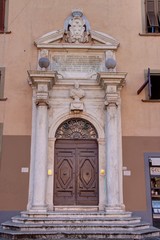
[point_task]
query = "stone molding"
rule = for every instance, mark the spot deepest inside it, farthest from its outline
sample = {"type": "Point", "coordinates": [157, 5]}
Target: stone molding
{"type": "Point", "coordinates": [65, 116]}
{"type": "Point", "coordinates": [102, 41]}
{"type": "Point", "coordinates": [77, 34]}
{"type": "Point", "coordinates": [112, 84]}
{"type": "Point", "coordinates": [42, 81]}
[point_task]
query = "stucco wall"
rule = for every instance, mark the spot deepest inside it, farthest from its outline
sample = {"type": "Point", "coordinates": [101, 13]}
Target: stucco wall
{"type": "Point", "coordinates": [13, 181]}
{"type": "Point", "coordinates": [16, 155]}
{"type": "Point", "coordinates": [27, 21]}
{"type": "Point", "coordinates": [124, 20]}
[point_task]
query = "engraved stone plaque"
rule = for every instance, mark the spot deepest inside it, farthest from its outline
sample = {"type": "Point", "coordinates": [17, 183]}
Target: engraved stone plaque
{"type": "Point", "coordinates": [77, 64]}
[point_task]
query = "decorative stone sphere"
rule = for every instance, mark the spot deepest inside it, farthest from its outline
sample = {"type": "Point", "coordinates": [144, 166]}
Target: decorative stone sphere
{"type": "Point", "coordinates": [44, 62]}
{"type": "Point", "coordinates": [110, 63]}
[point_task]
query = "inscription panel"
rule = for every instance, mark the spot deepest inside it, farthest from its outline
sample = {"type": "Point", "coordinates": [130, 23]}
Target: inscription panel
{"type": "Point", "coordinates": [77, 63]}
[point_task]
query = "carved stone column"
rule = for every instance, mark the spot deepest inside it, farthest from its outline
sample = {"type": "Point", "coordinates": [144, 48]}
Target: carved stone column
{"type": "Point", "coordinates": [112, 84]}
{"type": "Point", "coordinates": [42, 82]}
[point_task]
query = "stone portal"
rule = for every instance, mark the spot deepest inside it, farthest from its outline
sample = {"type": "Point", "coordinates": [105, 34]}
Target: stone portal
{"type": "Point", "coordinates": [76, 188]}
{"type": "Point", "coordinates": [76, 98]}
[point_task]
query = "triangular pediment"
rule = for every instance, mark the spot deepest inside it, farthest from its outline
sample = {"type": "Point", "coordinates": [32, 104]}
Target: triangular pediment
{"type": "Point", "coordinates": [98, 40]}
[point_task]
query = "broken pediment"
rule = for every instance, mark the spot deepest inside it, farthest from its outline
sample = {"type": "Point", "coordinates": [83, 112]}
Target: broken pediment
{"type": "Point", "coordinates": [77, 34]}
{"type": "Point", "coordinates": [77, 51]}
{"type": "Point", "coordinates": [98, 39]}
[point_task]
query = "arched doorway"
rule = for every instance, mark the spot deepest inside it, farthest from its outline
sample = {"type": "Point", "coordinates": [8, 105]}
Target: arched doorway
{"type": "Point", "coordinates": [76, 164]}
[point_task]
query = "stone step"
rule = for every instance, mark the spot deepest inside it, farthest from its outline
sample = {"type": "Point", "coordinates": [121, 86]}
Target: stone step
{"type": "Point", "coordinates": [75, 219]}
{"type": "Point", "coordinates": [77, 208]}
{"type": "Point", "coordinates": [78, 234]}
{"type": "Point", "coordinates": [75, 226]}
{"type": "Point", "coordinates": [77, 214]}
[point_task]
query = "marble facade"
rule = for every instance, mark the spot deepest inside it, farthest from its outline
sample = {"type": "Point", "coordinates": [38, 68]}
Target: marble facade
{"type": "Point", "coordinates": [77, 83]}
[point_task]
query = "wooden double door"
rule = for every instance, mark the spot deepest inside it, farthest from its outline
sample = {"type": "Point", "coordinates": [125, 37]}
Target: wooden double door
{"type": "Point", "coordinates": [76, 172]}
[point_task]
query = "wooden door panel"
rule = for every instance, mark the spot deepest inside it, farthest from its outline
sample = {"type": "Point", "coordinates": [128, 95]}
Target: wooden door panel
{"type": "Point", "coordinates": [64, 184]}
{"type": "Point", "coordinates": [87, 186]}
{"type": "Point", "coordinates": [76, 172]}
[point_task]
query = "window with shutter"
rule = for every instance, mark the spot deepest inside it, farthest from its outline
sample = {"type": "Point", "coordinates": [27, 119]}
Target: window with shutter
{"type": "Point", "coordinates": [152, 16]}
{"type": "Point", "coordinates": [2, 15]}
{"type": "Point", "coordinates": [2, 72]}
{"type": "Point", "coordinates": [1, 137]}
{"type": "Point", "coordinates": [153, 82]}
{"type": "Point", "coordinates": [154, 86]}
{"type": "Point", "coordinates": [159, 12]}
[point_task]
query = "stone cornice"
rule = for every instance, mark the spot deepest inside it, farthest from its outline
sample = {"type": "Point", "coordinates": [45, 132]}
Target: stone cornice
{"type": "Point", "coordinates": [111, 82]}
{"type": "Point", "coordinates": [53, 40]}
{"type": "Point", "coordinates": [42, 77]}
{"type": "Point", "coordinates": [43, 81]}
{"type": "Point", "coordinates": [111, 78]}
{"type": "Point", "coordinates": [66, 46]}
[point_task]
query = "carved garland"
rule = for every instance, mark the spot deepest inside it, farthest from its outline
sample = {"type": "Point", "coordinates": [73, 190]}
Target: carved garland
{"type": "Point", "coordinates": [76, 128]}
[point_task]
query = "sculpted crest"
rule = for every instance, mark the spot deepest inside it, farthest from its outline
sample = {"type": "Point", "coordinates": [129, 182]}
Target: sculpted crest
{"type": "Point", "coordinates": [77, 28]}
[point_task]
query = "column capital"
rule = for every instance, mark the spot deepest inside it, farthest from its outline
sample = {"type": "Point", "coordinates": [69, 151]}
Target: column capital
{"type": "Point", "coordinates": [111, 82]}
{"type": "Point", "coordinates": [42, 77]}
{"type": "Point", "coordinates": [42, 81]}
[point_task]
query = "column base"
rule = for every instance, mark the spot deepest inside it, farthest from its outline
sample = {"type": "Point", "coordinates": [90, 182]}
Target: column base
{"type": "Point", "coordinates": [38, 209]}
{"type": "Point", "coordinates": [110, 209]}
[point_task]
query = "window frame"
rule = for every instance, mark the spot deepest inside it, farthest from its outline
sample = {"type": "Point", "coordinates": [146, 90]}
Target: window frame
{"type": "Point", "coordinates": [152, 13]}
{"type": "Point", "coordinates": [152, 93]}
{"type": "Point", "coordinates": [148, 74]}
{"type": "Point", "coordinates": [1, 140]}
{"type": "Point", "coordinates": [4, 16]}
{"type": "Point", "coordinates": [2, 78]}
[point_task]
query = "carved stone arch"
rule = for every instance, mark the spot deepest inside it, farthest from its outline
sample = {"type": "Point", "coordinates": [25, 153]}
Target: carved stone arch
{"type": "Point", "coordinates": [76, 128]}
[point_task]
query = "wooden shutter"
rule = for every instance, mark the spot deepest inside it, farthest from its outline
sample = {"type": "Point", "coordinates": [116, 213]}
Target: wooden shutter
{"type": "Point", "coordinates": [159, 12]}
{"type": "Point", "coordinates": [149, 83]}
{"type": "Point", "coordinates": [2, 72]}
{"type": "Point", "coordinates": [0, 83]}
{"type": "Point", "coordinates": [1, 136]}
{"type": "Point", "coordinates": [151, 13]}
{"type": "Point", "coordinates": [2, 15]}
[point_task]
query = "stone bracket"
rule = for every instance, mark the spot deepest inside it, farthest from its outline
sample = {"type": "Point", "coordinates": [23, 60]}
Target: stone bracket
{"type": "Point", "coordinates": [112, 84]}
{"type": "Point", "coordinates": [43, 81]}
